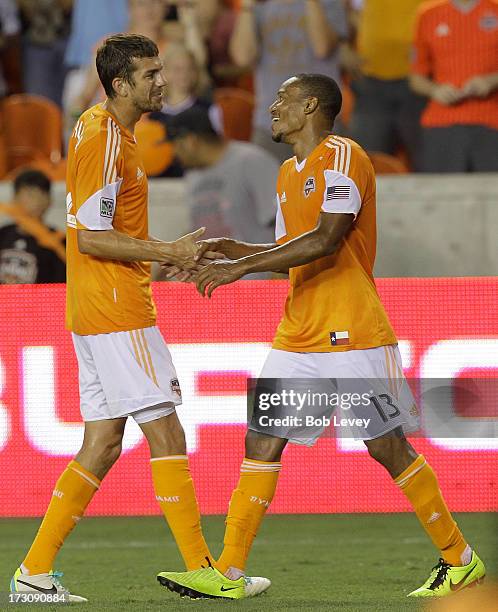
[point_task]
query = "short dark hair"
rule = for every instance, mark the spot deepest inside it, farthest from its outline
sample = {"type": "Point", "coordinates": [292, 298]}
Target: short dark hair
{"type": "Point", "coordinates": [194, 120]}
{"type": "Point", "coordinates": [115, 58]}
{"type": "Point", "coordinates": [325, 89]}
{"type": "Point", "coordinates": [32, 178]}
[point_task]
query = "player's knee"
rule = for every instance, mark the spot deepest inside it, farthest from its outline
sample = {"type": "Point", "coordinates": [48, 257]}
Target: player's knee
{"type": "Point", "coordinates": [392, 451]}
{"type": "Point", "coordinates": [104, 451]}
{"type": "Point", "coordinates": [383, 450]}
{"type": "Point", "coordinates": [261, 447]}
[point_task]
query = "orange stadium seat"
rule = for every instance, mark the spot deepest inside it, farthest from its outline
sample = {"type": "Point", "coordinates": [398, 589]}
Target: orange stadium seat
{"type": "Point", "coordinates": [387, 164]}
{"type": "Point", "coordinates": [32, 130]}
{"type": "Point", "coordinates": [3, 151]}
{"type": "Point", "coordinates": [156, 153]}
{"type": "Point", "coordinates": [237, 106]}
{"type": "Point", "coordinates": [55, 172]}
{"type": "Point", "coordinates": [347, 104]}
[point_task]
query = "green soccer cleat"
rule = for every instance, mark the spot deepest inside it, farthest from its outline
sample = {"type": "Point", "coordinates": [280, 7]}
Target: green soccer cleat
{"type": "Point", "coordinates": [446, 579]}
{"type": "Point", "coordinates": [209, 583]}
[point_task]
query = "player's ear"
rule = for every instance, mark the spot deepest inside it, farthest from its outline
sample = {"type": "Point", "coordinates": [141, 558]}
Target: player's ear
{"type": "Point", "coordinates": [120, 86]}
{"type": "Point", "coordinates": [311, 105]}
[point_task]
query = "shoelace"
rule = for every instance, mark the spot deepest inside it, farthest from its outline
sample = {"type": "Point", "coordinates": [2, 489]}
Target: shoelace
{"type": "Point", "coordinates": [55, 579]}
{"type": "Point", "coordinates": [439, 572]}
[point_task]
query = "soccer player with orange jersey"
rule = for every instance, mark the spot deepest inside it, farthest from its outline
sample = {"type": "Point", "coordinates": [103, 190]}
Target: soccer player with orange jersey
{"type": "Point", "coordinates": [125, 367]}
{"type": "Point", "coordinates": [334, 328]}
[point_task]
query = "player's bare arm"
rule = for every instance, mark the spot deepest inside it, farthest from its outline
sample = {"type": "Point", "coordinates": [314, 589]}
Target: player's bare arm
{"type": "Point", "coordinates": [111, 244]}
{"type": "Point", "coordinates": [216, 248]}
{"type": "Point", "coordinates": [233, 249]}
{"type": "Point", "coordinates": [323, 240]}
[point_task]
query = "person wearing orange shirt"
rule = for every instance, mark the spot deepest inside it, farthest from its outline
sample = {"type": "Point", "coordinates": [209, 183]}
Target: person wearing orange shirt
{"type": "Point", "coordinates": [125, 368]}
{"type": "Point", "coordinates": [386, 113]}
{"type": "Point", "coordinates": [334, 337]}
{"type": "Point", "coordinates": [455, 66]}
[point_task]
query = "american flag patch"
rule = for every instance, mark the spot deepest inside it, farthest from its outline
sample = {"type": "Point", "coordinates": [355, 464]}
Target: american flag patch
{"type": "Point", "coordinates": [338, 192]}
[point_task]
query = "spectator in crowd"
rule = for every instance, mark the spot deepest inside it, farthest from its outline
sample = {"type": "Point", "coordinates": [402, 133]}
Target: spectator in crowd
{"type": "Point", "coordinates": [10, 57]}
{"type": "Point", "coordinates": [91, 21]}
{"type": "Point", "coordinates": [281, 38]}
{"type": "Point", "coordinates": [456, 67]}
{"type": "Point", "coordinates": [230, 185]}
{"type": "Point", "coordinates": [186, 89]}
{"type": "Point", "coordinates": [45, 30]}
{"type": "Point", "coordinates": [30, 251]}
{"type": "Point", "coordinates": [386, 112]}
{"type": "Point", "coordinates": [146, 18]}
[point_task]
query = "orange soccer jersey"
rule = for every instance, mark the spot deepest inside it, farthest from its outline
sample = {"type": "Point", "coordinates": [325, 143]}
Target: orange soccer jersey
{"type": "Point", "coordinates": [106, 189]}
{"type": "Point", "coordinates": [332, 304]}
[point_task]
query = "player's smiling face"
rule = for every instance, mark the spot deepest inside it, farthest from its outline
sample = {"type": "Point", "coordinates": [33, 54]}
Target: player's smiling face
{"type": "Point", "coordinates": [287, 112]}
{"type": "Point", "coordinates": [149, 84]}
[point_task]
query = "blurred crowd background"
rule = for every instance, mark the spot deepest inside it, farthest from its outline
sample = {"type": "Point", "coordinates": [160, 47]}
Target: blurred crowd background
{"type": "Point", "coordinates": [419, 81]}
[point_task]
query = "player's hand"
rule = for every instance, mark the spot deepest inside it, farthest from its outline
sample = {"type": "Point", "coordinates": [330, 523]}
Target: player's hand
{"type": "Point", "coordinates": [183, 251]}
{"type": "Point", "coordinates": [447, 94]}
{"type": "Point", "coordinates": [478, 87]}
{"type": "Point", "coordinates": [185, 276]}
{"type": "Point", "coordinates": [210, 245]}
{"type": "Point", "coordinates": [220, 272]}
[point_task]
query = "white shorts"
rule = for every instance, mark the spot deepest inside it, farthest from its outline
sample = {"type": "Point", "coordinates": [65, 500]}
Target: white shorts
{"type": "Point", "coordinates": [127, 373]}
{"type": "Point", "coordinates": [376, 375]}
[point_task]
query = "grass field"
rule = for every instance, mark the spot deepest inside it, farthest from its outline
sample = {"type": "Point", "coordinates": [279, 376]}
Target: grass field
{"type": "Point", "coordinates": [349, 563]}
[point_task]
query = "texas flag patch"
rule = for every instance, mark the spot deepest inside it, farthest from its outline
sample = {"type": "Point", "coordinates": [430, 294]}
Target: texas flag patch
{"type": "Point", "coordinates": [339, 338]}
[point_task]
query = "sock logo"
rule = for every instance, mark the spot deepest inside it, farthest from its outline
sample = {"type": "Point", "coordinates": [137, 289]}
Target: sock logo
{"type": "Point", "coordinates": [259, 501]}
{"type": "Point", "coordinates": [433, 518]}
{"type": "Point", "coordinates": [172, 499]}
{"type": "Point", "coordinates": [59, 494]}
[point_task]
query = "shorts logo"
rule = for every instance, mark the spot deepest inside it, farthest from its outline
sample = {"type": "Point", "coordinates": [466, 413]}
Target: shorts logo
{"type": "Point", "coordinates": [106, 208]}
{"type": "Point", "coordinates": [175, 386]}
{"type": "Point", "coordinates": [309, 186]}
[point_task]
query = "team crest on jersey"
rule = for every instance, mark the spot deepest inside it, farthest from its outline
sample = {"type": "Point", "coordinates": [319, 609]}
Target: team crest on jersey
{"type": "Point", "coordinates": [309, 185]}
{"type": "Point", "coordinates": [106, 208]}
{"type": "Point", "coordinates": [488, 22]}
{"type": "Point", "coordinates": [175, 386]}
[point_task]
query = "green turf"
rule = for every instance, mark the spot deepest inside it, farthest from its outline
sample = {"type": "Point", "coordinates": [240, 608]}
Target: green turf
{"type": "Point", "coordinates": [349, 563]}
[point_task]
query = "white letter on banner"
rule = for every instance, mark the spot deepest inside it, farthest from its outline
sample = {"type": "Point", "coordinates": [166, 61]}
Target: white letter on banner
{"type": "Point", "coordinates": [4, 415]}
{"type": "Point", "coordinates": [227, 357]}
{"type": "Point", "coordinates": [445, 360]}
{"type": "Point", "coordinates": [43, 428]}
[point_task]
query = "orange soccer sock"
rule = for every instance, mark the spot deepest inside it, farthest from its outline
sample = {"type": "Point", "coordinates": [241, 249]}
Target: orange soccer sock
{"type": "Point", "coordinates": [250, 500]}
{"type": "Point", "coordinates": [176, 495]}
{"type": "Point", "coordinates": [419, 483]}
{"type": "Point", "coordinates": [72, 494]}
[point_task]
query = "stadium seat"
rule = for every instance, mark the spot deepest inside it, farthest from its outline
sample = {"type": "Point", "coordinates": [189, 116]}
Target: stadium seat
{"type": "Point", "coordinates": [156, 153]}
{"type": "Point", "coordinates": [55, 172]}
{"type": "Point", "coordinates": [3, 151]}
{"type": "Point", "coordinates": [387, 164]}
{"type": "Point", "coordinates": [32, 130]}
{"type": "Point", "coordinates": [237, 107]}
{"type": "Point", "coordinates": [347, 104]}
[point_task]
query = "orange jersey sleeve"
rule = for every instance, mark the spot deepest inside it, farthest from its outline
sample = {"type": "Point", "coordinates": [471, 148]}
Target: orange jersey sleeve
{"type": "Point", "coordinates": [94, 179]}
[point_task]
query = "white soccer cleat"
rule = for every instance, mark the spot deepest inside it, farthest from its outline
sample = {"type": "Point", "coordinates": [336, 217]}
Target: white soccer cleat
{"type": "Point", "coordinates": [42, 584]}
{"type": "Point", "coordinates": [255, 585]}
